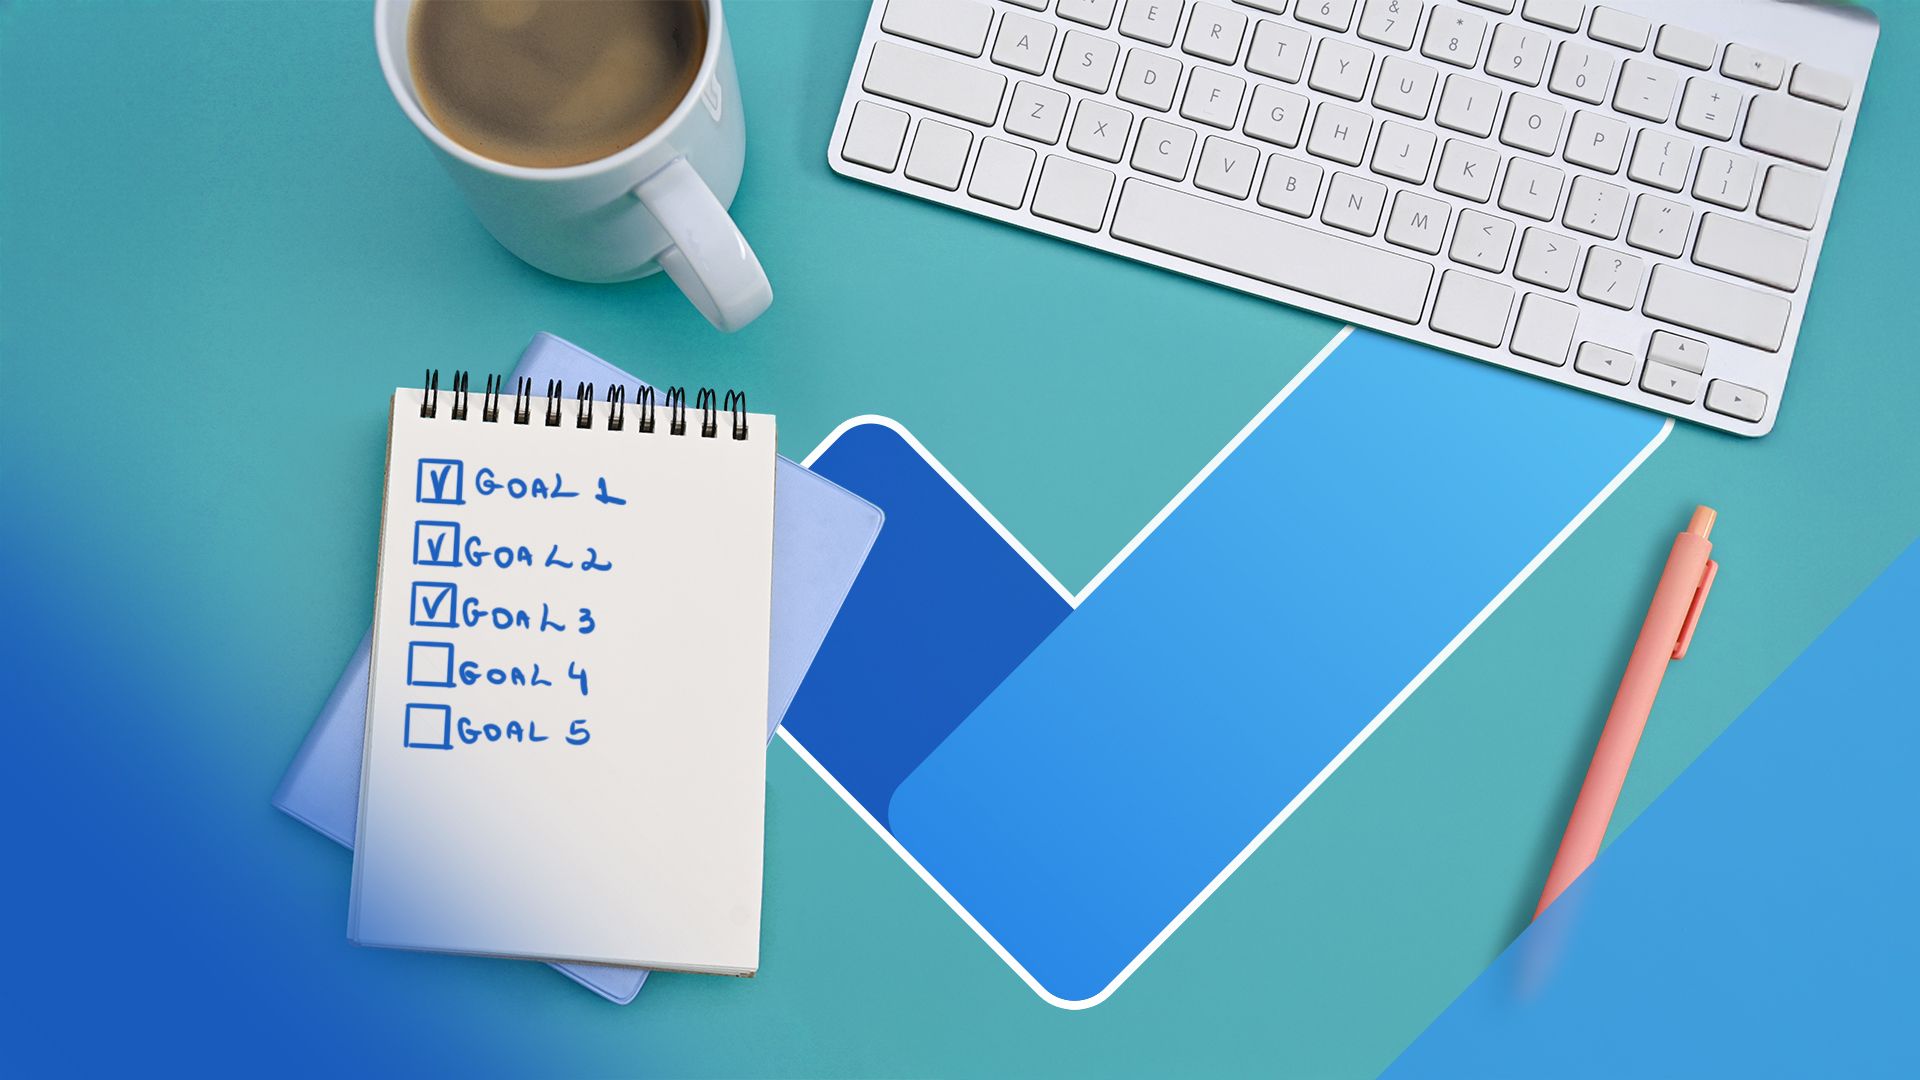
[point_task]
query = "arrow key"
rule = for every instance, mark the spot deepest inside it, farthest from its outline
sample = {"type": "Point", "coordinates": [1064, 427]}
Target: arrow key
{"type": "Point", "coordinates": [1547, 259]}
{"type": "Point", "coordinates": [1739, 402]}
{"type": "Point", "coordinates": [1753, 66]}
{"type": "Point", "coordinates": [1603, 363]}
{"type": "Point", "coordinates": [1668, 381]}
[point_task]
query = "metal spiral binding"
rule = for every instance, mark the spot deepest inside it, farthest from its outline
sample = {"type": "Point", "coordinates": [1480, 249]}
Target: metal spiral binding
{"type": "Point", "coordinates": [708, 401]}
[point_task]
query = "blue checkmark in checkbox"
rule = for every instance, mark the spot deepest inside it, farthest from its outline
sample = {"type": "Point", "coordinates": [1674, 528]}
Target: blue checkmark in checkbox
{"type": "Point", "coordinates": [436, 543]}
{"type": "Point", "coordinates": [438, 480]}
{"type": "Point", "coordinates": [433, 603]}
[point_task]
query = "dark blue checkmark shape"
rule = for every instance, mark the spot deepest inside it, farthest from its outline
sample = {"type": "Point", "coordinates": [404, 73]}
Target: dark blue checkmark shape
{"type": "Point", "coordinates": [1078, 778]}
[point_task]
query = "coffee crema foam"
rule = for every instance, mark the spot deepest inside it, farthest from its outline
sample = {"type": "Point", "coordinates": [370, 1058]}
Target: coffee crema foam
{"type": "Point", "coordinates": [552, 83]}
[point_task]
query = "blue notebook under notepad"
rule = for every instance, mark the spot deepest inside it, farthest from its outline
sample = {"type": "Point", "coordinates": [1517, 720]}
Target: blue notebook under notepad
{"type": "Point", "coordinates": [822, 535]}
{"type": "Point", "coordinates": [1078, 772]}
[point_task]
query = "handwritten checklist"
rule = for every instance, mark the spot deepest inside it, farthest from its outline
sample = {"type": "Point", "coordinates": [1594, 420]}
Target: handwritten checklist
{"type": "Point", "coordinates": [568, 690]}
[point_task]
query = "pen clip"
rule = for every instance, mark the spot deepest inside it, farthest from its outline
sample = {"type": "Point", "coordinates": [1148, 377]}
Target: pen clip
{"type": "Point", "coordinates": [1693, 611]}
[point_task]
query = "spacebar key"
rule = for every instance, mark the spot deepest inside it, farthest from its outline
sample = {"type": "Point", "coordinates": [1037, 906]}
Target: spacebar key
{"type": "Point", "coordinates": [1274, 251]}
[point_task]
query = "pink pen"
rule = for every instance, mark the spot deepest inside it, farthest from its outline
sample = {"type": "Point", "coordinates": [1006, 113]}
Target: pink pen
{"type": "Point", "coordinates": [1664, 637]}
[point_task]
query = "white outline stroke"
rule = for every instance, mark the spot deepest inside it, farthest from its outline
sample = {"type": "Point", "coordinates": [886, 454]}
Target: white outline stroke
{"type": "Point", "coordinates": [1074, 599]}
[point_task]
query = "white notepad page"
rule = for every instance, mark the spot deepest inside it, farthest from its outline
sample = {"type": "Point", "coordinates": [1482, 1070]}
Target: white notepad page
{"type": "Point", "coordinates": [566, 729]}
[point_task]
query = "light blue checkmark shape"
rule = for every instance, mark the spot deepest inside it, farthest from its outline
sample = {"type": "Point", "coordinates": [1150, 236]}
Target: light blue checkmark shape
{"type": "Point", "coordinates": [436, 543]}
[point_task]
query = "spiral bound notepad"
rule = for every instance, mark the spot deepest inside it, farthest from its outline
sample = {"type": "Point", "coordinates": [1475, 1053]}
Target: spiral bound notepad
{"type": "Point", "coordinates": [566, 727]}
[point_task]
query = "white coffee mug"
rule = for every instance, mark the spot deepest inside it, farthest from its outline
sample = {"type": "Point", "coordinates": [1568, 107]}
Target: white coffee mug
{"type": "Point", "coordinates": [659, 204]}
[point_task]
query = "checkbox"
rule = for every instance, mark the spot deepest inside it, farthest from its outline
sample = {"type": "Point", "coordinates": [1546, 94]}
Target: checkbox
{"type": "Point", "coordinates": [436, 543]}
{"type": "Point", "coordinates": [433, 603]}
{"type": "Point", "coordinates": [439, 480]}
{"type": "Point", "coordinates": [429, 727]}
{"type": "Point", "coordinates": [429, 663]}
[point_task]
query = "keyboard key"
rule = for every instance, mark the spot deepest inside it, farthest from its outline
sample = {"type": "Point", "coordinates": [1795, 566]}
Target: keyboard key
{"type": "Point", "coordinates": [1276, 115]}
{"type": "Point", "coordinates": [1290, 186]}
{"type": "Point", "coordinates": [1791, 197]}
{"type": "Point", "coordinates": [874, 136]}
{"type": "Point", "coordinates": [1331, 14]}
{"type": "Point", "coordinates": [1815, 85]}
{"type": "Point", "coordinates": [939, 154]}
{"type": "Point", "coordinates": [1482, 241]}
{"type": "Point", "coordinates": [1467, 170]}
{"type": "Point", "coordinates": [1226, 167]}
{"type": "Point", "coordinates": [1676, 351]}
{"type": "Point", "coordinates": [1533, 124]}
{"type": "Point", "coordinates": [1595, 208]}
{"type": "Point", "coordinates": [1086, 61]}
{"type": "Point", "coordinates": [1454, 36]}
{"type": "Point", "coordinates": [1683, 46]}
{"type": "Point", "coordinates": [1472, 308]}
{"type": "Point", "coordinates": [1404, 87]}
{"type": "Point", "coordinates": [1214, 32]}
{"type": "Point", "coordinates": [1000, 173]}
{"type": "Point", "coordinates": [1669, 382]}
{"type": "Point", "coordinates": [1616, 27]}
{"type": "Point", "coordinates": [1559, 14]}
{"type": "Point", "coordinates": [1739, 402]}
{"type": "Point", "coordinates": [1546, 259]}
{"type": "Point", "coordinates": [1709, 108]}
{"type": "Point", "coordinates": [1272, 250]}
{"type": "Point", "coordinates": [1660, 159]}
{"type": "Point", "coordinates": [1504, 7]}
{"type": "Point", "coordinates": [1603, 363]}
{"type": "Point", "coordinates": [1339, 134]}
{"type": "Point", "coordinates": [1213, 97]}
{"type": "Point", "coordinates": [1611, 277]}
{"type": "Point", "coordinates": [1751, 251]}
{"type": "Point", "coordinates": [1403, 152]}
{"type": "Point", "coordinates": [1390, 22]}
{"type": "Point", "coordinates": [1278, 51]}
{"type": "Point", "coordinates": [1157, 21]}
{"type": "Point", "coordinates": [1659, 226]}
{"type": "Point", "coordinates": [1544, 330]}
{"type": "Point", "coordinates": [934, 82]}
{"type": "Point", "coordinates": [1597, 141]}
{"type": "Point", "coordinates": [1163, 149]}
{"type": "Point", "coordinates": [1098, 13]}
{"type": "Point", "coordinates": [1531, 188]}
{"type": "Point", "coordinates": [1792, 129]}
{"type": "Point", "coordinates": [1717, 307]}
{"type": "Point", "coordinates": [1753, 66]}
{"type": "Point", "coordinates": [1023, 44]}
{"type": "Point", "coordinates": [1354, 204]}
{"type": "Point", "coordinates": [1725, 179]}
{"type": "Point", "coordinates": [1417, 222]}
{"type": "Point", "coordinates": [1646, 90]}
{"type": "Point", "coordinates": [1341, 69]}
{"type": "Point", "coordinates": [1468, 105]}
{"type": "Point", "coordinates": [1581, 72]}
{"type": "Point", "coordinates": [959, 25]}
{"type": "Point", "coordinates": [1099, 130]}
{"type": "Point", "coordinates": [1517, 54]}
{"type": "Point", "coordinates": [1038, 112]}
{"type": "Point", "coordinates": [1072, 192]}
{"type": "Point", "coordinates": [1149, 79]}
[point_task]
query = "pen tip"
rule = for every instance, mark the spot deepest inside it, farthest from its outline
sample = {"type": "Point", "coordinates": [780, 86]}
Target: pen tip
{"type": "Point", "coordinates": [1702, 523]}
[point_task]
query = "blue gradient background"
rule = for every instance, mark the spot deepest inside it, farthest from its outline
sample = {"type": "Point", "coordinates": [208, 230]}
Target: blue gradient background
{"type": "Point", "coordinates": [221, 246]}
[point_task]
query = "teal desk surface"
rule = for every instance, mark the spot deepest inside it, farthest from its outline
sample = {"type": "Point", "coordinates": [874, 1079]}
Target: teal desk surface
{"type": "Point", "coordinates": [221, 246]}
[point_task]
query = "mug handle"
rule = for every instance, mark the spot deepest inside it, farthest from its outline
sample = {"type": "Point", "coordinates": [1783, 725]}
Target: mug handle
{"type": "Point", "coordinates": [708, 258]}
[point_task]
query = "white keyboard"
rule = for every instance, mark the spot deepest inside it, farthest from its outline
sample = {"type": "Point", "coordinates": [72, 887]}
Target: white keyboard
{"type": "Point", "coordinates": [1628, 198]}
